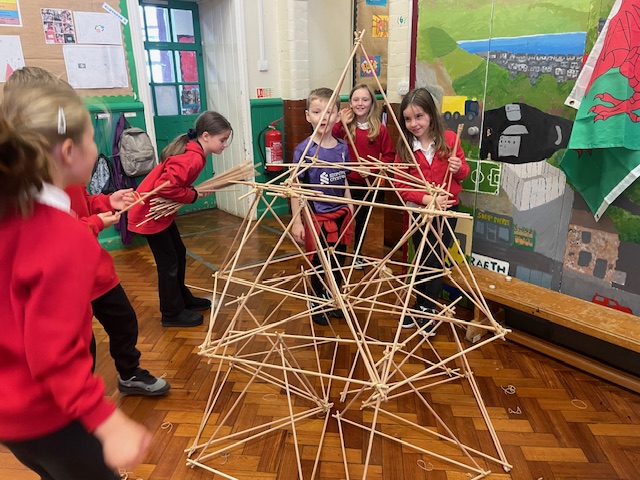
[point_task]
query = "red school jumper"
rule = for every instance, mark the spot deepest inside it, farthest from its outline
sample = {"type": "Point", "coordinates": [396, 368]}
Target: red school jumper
{"type": "Point", "coordinates": [381, 147]}
{"type": "Point", "coordinates": [435, 173]}
{"type": "Point", "coordinates": [181, 171]}
{"type": "Point", "coordinates": [86, 207]}
{"type": "Point", "coordinates": [49, 262]}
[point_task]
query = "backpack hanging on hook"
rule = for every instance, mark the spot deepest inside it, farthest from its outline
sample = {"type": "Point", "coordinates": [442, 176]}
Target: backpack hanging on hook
{"type": "Point", "coordinates": [137, 154]}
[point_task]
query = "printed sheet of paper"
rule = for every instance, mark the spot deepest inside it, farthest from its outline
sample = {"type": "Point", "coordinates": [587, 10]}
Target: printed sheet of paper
{"type": "Point", "coordinates": [95, 66]}
{"type": "Point", "coordinates": [97, 28]}
{"type": "Point", "coordinates": [58, 25]}
{"type": "Point", "coordinates": [11, 56]}
{"type": "Point", "coordinates": [10, 14]}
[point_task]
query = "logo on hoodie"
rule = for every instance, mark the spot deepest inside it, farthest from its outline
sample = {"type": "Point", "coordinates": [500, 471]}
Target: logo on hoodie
{"type": "Point", "coordinates": [324, 178]}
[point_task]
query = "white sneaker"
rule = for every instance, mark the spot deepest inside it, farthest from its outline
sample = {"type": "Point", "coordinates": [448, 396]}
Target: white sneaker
{"type": "Point", "coordinates": [359, 263]}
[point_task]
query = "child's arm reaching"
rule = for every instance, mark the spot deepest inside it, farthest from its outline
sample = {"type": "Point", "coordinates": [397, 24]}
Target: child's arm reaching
{"type": "Point", "coordinates": [297, 229]}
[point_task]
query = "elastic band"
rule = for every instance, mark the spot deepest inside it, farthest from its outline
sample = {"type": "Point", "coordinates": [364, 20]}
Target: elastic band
{"type": "Point", "coordinates": [192, 134]}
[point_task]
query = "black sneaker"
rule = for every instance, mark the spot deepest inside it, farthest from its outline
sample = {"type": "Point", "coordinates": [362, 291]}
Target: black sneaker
{"type": "Point", "coordinates": [319, 318]}
{"type": "Point", "coordinates": [185, 318]}
{"type": "Point", "coordinates": [196, 304]}
{"type": "Point", "coordinates": [428, 326]}
{"type": "Point", "coordinates": [359, 263]}
{"type": "Point", "coordinates": [143, 383]}
{"type": "Point", "coordinates": [336, 312]}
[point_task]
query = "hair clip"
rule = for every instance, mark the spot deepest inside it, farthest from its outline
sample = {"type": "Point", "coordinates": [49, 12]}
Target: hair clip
{"type": "Point", "coordinates": [62, 122]}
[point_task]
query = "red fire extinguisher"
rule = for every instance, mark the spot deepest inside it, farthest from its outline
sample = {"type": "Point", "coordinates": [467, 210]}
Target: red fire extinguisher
{"type": "Point", "coordinates": [273, 148]}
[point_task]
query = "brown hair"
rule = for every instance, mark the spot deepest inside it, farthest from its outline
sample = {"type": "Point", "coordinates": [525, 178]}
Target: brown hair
{"type": "Point", "coordinates": [24, 166]}
{"type": "Point", "coordinates": [211, 122]}
{"type": "Point", "coordinates": [323, 93]}
{"type": "Point", "coordinates": [420, 97]}
{"type": "Point", "coordinates": [373, 118]}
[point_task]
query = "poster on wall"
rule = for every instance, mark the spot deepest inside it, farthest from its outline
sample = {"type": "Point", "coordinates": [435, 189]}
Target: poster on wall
{"type": "Point", "coordinates": [95, 66]}
{"type": "Point", "coordinates": [58, 26]}
{"type": "Point", "coordinates": [97, 28]}
{"type": "Point", "coordinates": [11, 57]}
{"type": "Point", "coordinates": [10, 14]}
{"type": "Point", "coordinates": [368, 68]}
{"type": "Point", "coordinates": [380, 26]}
{"type": "Point", "coordinates": [372, 17]}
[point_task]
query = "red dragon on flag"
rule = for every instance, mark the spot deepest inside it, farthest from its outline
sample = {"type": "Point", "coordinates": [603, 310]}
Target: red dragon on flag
{"type": "Point", "coordinates": [603, 156]}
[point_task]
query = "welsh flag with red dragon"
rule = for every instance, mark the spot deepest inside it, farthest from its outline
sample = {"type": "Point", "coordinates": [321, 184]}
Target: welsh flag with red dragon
{"type": "Point", "coordinates": [603, 155]}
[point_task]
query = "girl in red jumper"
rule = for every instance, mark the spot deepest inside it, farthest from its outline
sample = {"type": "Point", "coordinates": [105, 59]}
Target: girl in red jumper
{"type": "Point", "coordinates": [53, 413]}
{"type": "Point", "coordinates": [371, 138]}
{"type": "Point", "coordinates": [180, 163]}
{"type": "Point", "coordinates": [109, 301]}
{"type": "Point", "coordinates": [432, 147]}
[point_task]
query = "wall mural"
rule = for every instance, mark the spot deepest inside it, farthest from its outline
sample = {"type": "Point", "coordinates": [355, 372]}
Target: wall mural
{"type": "Point", "coordinates": [503, 69]}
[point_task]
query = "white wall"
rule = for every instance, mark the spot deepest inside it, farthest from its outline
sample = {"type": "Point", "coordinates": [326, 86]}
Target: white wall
{"type": "Point", "coordinates": [225, 64]}
{"type": "Point", "coordinates": [306, 44]}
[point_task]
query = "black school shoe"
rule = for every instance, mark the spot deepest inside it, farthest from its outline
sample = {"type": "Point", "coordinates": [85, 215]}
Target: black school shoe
{"type": "Point", "coordinates": [143, 383]}
{"type": "Point", "coordinates": [196, 304]}
{"type": "Point", "coordinates": [185, 318]}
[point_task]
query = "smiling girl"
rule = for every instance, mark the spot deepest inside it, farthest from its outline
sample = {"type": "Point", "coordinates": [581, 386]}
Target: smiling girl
{"type": "Point", "coordinates": [432, 147]}
{"type": "Point", "coordinates": [370, 138]}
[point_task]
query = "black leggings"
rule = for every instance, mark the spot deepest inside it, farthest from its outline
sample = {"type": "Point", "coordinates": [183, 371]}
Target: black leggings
{"type": "Point", "coordinates": [431, 289]}
{"type": "Point", "coordinates": [114, 311]}
{"type": "Point", "coordinates": [70, 453]}
{"type": "Point", "coordinates": [361, 212]}
{"type": "Point", "coordinates": [170, 255]}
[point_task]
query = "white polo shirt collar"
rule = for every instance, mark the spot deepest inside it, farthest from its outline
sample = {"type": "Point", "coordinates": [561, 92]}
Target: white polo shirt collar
{"type": "Point", "coordinates": [428, 152]}
{"type": "Point", "coordinates": [55, 197]}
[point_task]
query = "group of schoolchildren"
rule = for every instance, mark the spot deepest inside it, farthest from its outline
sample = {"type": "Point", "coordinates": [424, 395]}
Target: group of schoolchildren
{"type": "Point", "coordinates": [54, 416]}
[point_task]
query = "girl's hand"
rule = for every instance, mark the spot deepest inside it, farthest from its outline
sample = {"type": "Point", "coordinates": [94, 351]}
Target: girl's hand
{"type": "Point", "coordinates": [297, 231]}
{"type": "Point", "coordinates": [454, 164]}
{"type": "Point", "coordinates": [124, 442]}
{"type": "Point", "coordinates": [121, 199]}
{"type": "Point", "coordinates": [444, 201]}
{"type": "Point", "coordinates": [109, 218]}
{"type": "Point", "coordinates": [201, 194]}
{"type": "Point", "coordinates": [346, 114]}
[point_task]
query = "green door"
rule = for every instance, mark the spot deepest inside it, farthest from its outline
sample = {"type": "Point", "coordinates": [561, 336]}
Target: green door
{"type": "Point", "coordinates": [173, 50]}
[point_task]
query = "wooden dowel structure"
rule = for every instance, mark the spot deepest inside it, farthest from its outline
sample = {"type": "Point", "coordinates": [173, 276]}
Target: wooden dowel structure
{"type": "Point", "coordinates": [277, 347]}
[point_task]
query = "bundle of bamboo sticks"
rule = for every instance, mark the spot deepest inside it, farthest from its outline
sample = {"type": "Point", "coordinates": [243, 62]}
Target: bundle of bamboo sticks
{"type": "Point", "coordinates": [163, 207]}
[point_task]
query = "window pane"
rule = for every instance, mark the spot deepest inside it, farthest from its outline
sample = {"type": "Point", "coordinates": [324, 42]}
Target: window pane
{"type": "Point", "coordinates": [190, 99]}
{"type": "Point", "coordinates": [187, 66]}
{"type": "Point", "coordinates": [182, 26]}
{"type": "Point", "coordinates": [146, 57]}
{"type": "Point", "coordinates": [157, 19]}
{"type": "Point", "coordinates": [166, 100]}
{"type": "Point", "coordinates": [144, 31]}
{"type": "Point", "coordinates": [162, 66]}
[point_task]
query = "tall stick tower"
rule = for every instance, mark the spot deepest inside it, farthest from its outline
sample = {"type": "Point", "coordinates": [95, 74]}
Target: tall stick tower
{"type": "Point", "coordinates": [261, 336]}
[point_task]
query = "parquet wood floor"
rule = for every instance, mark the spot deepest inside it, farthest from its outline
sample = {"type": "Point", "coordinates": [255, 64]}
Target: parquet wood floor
{"type": "Point", "coordinates": [554, 422]}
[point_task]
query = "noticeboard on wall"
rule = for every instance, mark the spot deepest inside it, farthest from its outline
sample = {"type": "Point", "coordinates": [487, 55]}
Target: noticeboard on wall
{"type": "Point", "coordinates": [372, 16]}
{"type": "Point", "coordinates": [78, 40]}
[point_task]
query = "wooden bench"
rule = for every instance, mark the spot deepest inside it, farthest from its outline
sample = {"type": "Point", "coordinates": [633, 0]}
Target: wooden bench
{"type": "Point", "coordinates": [568, 315]}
